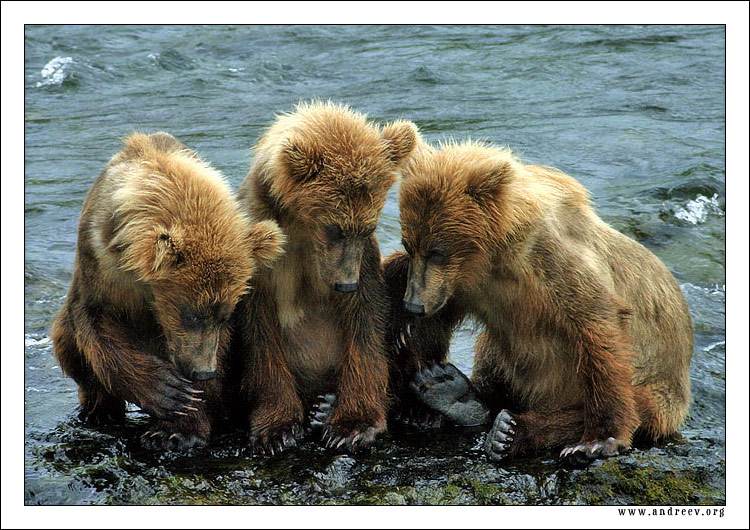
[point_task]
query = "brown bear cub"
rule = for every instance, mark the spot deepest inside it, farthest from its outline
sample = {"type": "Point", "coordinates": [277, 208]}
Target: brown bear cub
{"type": "Point", "coordinates": [587, 337]}
{"type": "Point", "coordinates": [164, 254]}
{"type": "Point", "coordinates": [315, 323]}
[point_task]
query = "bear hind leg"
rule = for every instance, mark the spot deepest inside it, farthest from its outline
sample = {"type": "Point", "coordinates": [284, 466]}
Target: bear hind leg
{"type": "Point", "coordinates": [661, 412]}
{"type": "Point", "coordinates": [97, 405]}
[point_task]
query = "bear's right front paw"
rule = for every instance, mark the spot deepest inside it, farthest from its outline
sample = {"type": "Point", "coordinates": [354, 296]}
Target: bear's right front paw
{"type": "Point", "coordinates": [440, 386]}
{"type": "Point", "coordinates": [501, 436]}
{"type": "Point", "coordinates": [171, 396]}
{"type": "Point", "coordinates": [270, 443]}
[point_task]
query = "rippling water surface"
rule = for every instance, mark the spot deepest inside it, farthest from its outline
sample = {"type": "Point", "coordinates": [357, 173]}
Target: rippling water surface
{"type": "Point", "coordinates": [635, 113]}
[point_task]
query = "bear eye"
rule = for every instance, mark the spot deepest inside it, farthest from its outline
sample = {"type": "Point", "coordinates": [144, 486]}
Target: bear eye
{"type": "Point", "coordinates": [191, 319]}
{"type": "Point", "coordinates": [437, 256]}
{"type": "Point", "coordinates": [334, 232]}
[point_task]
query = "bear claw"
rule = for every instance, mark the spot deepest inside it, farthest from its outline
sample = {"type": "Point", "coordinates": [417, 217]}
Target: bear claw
{"type": "Point", "coordinates": [501, 436]}
{"type": "Point", "coordinates": [354, 442]}
{"type": "Point", "coordinates": [584, 453]}
{"type": "Point", "coordinates": [265, 445]}
{"type": "Point", "coordinates": [172, 394]}
{"type": "Point", "coordinates": [175, 441]}
{"type": "Point", "coordinates": [419, 416]}
{"type": "Point", "coordinates": [403, 336]}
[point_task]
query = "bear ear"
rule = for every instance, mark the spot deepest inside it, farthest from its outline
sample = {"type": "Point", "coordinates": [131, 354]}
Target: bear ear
{"type": "Point", "coordinates": [167, 251]}
{"type": "Point", "coordinates": [483, 186]}
{"type": "Point", "coordinates": [301, 160]}
{"type": "Point", "coordinates": [401, 137]}
{"type": "Point", "coordinates": [266, 242]}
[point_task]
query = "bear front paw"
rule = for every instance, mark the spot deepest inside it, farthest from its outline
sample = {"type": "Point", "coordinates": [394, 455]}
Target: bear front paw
{"type": "Point", "coordinates": [498, 442]}
{"type": "Point", "coordinates": [585, 452]}
{"type": "Point", "coordinates": [270, 442]}
{"type": "Point", "coordinates": [171, 396]}
{"type": "Point", "coordinates": [352, 439]}
{"type": "Point", "coordinates": [418, 415]}
{"type": "Point", "coordinates": [322, 411]}
{"type": "Point", "coordinates": [160, 440]}
{"type": "Point", "coordinates": [440, 386]}
{"type": "Point", "coordinates": [339, 433]}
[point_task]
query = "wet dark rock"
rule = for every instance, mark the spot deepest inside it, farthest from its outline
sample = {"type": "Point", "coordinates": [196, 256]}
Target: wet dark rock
{"type": "Point", "coordinates": [445, 467]}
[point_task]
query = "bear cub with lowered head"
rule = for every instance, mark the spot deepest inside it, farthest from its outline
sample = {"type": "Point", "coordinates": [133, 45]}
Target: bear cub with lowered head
{"type": "Point", "coordinates": [164, 254]}
{"type": "Point", "coordinates": [587, 337]}
{"type": "Point", "coordinates": [315, 323]}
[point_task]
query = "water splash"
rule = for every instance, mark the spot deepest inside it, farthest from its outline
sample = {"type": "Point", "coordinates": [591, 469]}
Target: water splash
{"type": "Point", "coordinates": [31, 341]}
{"type": "Point", "coordinates": [55, 72]}
{"type": "Point", "coordinates": [696, 211]}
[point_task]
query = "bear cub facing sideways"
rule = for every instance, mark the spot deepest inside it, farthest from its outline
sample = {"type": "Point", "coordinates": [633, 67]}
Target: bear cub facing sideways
{"type": "Point", "coordinates": [163, 255]}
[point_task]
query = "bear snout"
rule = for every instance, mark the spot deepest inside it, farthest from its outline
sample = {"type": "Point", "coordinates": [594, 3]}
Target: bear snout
{"type": "Point", "coordinates": [346, 287]}
{"type": "Point", "coordinates": [202, 375]}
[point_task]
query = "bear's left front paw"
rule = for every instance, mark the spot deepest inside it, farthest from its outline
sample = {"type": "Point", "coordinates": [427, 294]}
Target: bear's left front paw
{"type": "Point", "coordinates": [342, 434]}
{"type": "Point", "coordinates": [501, 436]}
{"type": "Point", "coordinates": [585, 452]}
{"type": "Point", "coordinates": [159, 440]}
{"type": "Point", "coordinates": [352, 440]}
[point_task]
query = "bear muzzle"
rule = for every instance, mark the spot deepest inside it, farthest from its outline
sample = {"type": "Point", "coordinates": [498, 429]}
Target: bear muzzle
{"type": "Point", "coordinates": [346, 287]}
{"type": "Point", "coordinates": [203, 375]}
{"type": "Point", "coordinates": [415, 309]}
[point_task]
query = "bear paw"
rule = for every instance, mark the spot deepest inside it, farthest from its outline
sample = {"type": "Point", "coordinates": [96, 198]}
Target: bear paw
{"type": "Point", "coordinates": [173, 441]}
{"type": "Point", "coordinates": [584, 453]}
{"type": "Point", "coordinates": [338, 437]}
{"type": "Point", "coordinates": [171, 396]}
{"type": "Point", "coordinates": [440, 386]}
{"type": "Point", "coordinates": [403, 336]}
{"type": "Point", "coordinates": [501, 436]}
{"type": "Point", "coordinates": [322, 411]}
{"type": "Point", "coordinates": [276, 441]}
{"type": "Point", "coordinates": [353, 441]}
{"type": "Point", "coordinates": [99, 417]}
{"type": "Point", "coordinates": [419, 416]}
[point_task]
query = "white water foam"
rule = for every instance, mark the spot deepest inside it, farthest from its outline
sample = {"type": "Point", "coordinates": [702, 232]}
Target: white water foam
{"type": "Point", "coordinates": [31, 341]}
{"type": "Point", "coordinates": [696, 211]}
{"type": "Point", "coordinates": [54, 72]}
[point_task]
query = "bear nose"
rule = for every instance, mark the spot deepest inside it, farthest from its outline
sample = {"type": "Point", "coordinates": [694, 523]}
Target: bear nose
{"type": "Point", "coordinates": [203, 376]}
{"type": "Point", "coordinates": [346, 287]}
{"type": "Point", "coordinates": [417, 309]}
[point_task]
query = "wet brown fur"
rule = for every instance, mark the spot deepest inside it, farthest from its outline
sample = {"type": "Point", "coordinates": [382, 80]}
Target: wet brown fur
{"type": "Point", "coordinates": [587, 334]}
{"type": "Point", "coordinates": [159, 231]}
{"type": "Point", "coordinates": [323, 165]}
